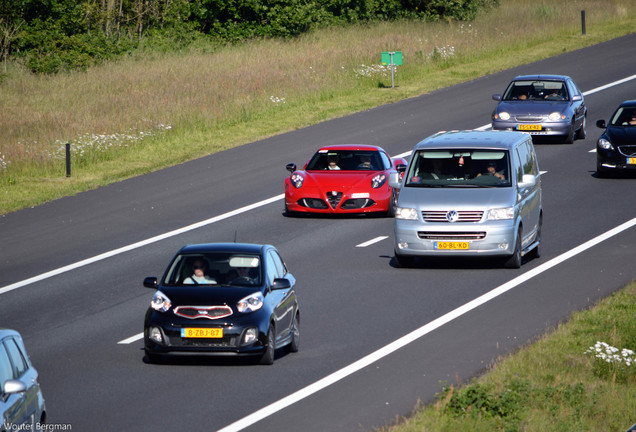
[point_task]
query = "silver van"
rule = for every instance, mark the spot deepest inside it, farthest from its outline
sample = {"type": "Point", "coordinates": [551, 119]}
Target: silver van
{"type": "Point", "coordinates": [469, 193]}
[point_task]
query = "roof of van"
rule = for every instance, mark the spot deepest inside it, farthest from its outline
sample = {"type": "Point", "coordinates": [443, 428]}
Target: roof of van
{"type": "Point", "coordinates": [474, 139]}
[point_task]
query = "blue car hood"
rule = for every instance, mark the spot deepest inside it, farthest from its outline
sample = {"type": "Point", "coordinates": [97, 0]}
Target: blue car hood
{"type": "Point", "coordinates": [532, 107]}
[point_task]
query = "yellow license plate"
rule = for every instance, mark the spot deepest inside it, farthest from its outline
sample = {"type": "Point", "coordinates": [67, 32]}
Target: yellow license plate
{"type": "Point", "coordinates": [211, 333]}
{"type": "Point", "coordinates": [451, 245]}
{"type": "Point", "coordinates": [530, 127]}
{"type": "Point", "coordinates": [631, 161]}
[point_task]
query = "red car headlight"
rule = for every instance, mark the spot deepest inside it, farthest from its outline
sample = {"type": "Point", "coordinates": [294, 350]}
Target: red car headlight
{"type": "Point", "coordinates": [378, 181]}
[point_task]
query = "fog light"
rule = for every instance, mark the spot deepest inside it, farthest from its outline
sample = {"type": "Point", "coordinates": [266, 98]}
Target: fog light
{"type": "Point", "coordinates": [155, 335]}
{"type": "Point", "coordinates": [250, 336]}
{"type": "Point", "coordinates": [402, 245]}
{"type": "Point", "coordinates": [503, 246]}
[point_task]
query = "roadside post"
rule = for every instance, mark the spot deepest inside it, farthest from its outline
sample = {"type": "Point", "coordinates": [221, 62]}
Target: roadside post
{"type": "Point", "coordinates": [68, 159]}
{"type": "Point", "coordinates": [392, 58]}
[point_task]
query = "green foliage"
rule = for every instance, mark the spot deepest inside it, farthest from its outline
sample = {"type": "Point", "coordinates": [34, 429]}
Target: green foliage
{"type": "Point", "coordinates": [59, 35]}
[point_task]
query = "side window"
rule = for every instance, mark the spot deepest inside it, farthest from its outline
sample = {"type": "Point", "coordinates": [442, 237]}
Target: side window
{"type": "Point", "coordinates": [518, 164]}
{"type": "Point", "coordinates": [386, 160]}
{"type": "Point", "coordinates": [534, 167]}
{"type": "Point", "coordinates": [270, 265]}
{"type": "Point", "coordinates": [17, 358]}
{"type": "Point", "coordinates": [6, 371]}
{"type": "Point", "coordinates": [574, 90]}
{"type": "Point", "coordinates": [525, 157]}
{"type": "Point", "coordinates": [280, 264]}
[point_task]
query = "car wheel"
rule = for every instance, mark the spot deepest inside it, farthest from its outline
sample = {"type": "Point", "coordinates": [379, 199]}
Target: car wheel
{"type": "Point", "coordinates": [403, 261]}
{"type": "Point", "coordinates": [392, 205]}
{"type": "Point", "coordinates": [569, 138]}
{"type": "Point", "coordinates": [293, 346]}
{"type": "Point", "coordinates": [515, 259]}
{"type": "Point", "coordinates": [582, 133]}
{"type": "Point", "coordinates": [153, 358]}
{"type": "Point", "coordinates": [270, 349]}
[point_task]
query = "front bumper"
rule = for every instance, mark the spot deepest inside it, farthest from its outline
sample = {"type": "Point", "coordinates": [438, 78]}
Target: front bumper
{"type": "Point", "coordinates": [547, 128]}
{"type": "Point", "coordinates": [611, 159]}
{"type": "Point", "coordinates": [311, 200]}
{"type": "Point", "coordinates": [414, 238]}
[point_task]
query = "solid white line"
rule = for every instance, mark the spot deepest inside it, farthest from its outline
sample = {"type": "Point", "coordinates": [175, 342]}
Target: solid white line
{"type": "Point", "coordinates": [416, 334]}
{"type": "Point", "coordinates": [606, 86]}
{"type": "Point", "coordinates": [139, 244]}
{"type": "Point", "coordinates": [372, 241]}
{"type": "Point", "coordinates": [131, 339]}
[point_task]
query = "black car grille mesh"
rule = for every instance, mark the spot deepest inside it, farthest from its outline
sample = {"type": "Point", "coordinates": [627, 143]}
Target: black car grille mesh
{"type": "Point", "coordinates": [532, 118]}
{"type": "Point", "coordinates": [357, 203]}
{"type": "Point", "coordinates": [314, 203]}
{"type": "Point", "coordinates": [225, 342]}
{"type": "Point", "coordinates": [209, 312]}
{"type": "Point", "coordinates": [334, 198]}
{"type": "Point", "coordinates": [627, 150]}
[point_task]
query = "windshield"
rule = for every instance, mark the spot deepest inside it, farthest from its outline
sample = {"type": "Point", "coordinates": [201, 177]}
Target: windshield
{"type": "Point", "coordinates": [349, 160]}
{"type": "Point", "coordinates": [218, 268]}
{"type": "Point", "coordinates": [459, 168]}
{"type": "Point", "coordinates": [536, 90]}
{"type": "Point", "coordinates": [624, 116]}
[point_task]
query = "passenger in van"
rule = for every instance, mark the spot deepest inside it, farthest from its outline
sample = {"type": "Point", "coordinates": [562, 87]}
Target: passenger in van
{"type": "Point", "coordinates": [434, 172]}
{"type": "Point", "coordinates": [492, 171]}
{"type": "Point", "coordinates": [199, 275]}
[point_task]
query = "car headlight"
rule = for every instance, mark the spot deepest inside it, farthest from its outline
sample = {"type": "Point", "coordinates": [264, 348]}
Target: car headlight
{"type": "Point", "coordinates": [503, 115]}
{"type": "Point", "coordinates": [605, 144]}
{"type": "Point", "coordinates": [297, 180]}
{"type": "Point", "coordinates": [556, 116]}
{"type": "Point", "coordinates": [406, 213]}
{"type": "Point", "coordinates": [378, 181]}
{"type": "Point", "coordinates": [251, 303]}
{"type": "Point", "coordinates": [501, 213]}
{"type": "Point", "coordinates": [160, 302]}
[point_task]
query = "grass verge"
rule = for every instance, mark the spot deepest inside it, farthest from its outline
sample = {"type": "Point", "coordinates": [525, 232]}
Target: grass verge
{"type": "Point", "coordinates": [580, 377]}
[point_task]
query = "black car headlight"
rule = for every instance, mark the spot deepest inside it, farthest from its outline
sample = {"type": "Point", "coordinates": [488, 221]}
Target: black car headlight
{"type": "Point", "coordinates": [605, 144]}
{"type": "Point", "coordinates": [378, 181]}
{"type": "Point", "coordinates": [160, 302]}
{"type": "Point", "coordinates": [297, 180]}
{"type": "Point", "coordinates": [251, 303]}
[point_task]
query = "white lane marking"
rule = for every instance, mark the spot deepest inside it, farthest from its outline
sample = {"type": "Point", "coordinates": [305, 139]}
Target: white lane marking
{"type": "Point", "coordinates": [606, 86]}
{"type": "Point", "coordinates": [416, 334]}
{"type": "Point", "coordinates": [131, 339]}
{"type": "Point", "coordinates": [138, 244]}
{"type": "Point", "coordinates": [372, 241]}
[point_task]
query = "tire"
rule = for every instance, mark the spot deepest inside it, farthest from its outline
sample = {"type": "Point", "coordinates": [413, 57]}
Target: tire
{"type": "Point", "coordinates": [569, 138]}
{"type": "Point", "coordinates": [403, 261]}
{"type": "Point", "coordinates": [582, 133]}
{"type": "Point", "coordinates": [270, 349]}
{"type": "Point", "coordinates": [392, 205]}
{"type": "Point", "coordinates": [515, 259]}
{"type": "Point", "coordinates": [295, 342]}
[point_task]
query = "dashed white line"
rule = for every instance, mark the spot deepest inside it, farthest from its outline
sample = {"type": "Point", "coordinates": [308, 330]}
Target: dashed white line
{"type": "Point", "coordinates": [372, 241]}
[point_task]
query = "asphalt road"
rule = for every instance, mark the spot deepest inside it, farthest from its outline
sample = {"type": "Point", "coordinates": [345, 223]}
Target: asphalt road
{"type": "Point", "coordinates": [375, 339]}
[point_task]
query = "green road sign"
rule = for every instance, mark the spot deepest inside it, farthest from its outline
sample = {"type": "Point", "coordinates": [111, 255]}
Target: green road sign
{"type": "Point", "coordinates": [397, 58]}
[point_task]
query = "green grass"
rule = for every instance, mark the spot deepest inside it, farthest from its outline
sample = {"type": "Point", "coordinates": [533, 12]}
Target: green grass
{"type": "Point", "coordinates": [555, 384]}
{"type": "Point", "coordinates": [153, 110]}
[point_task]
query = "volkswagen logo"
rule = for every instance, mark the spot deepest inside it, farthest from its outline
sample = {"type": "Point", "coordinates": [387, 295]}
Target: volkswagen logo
{"type": "Point", "coordinates": [452, 216]}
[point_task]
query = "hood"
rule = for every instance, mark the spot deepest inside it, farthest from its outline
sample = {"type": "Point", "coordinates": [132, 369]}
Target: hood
{"type": "Point", "coordinates": [340, 180]}
{"type": "Point", "coordinates": [532, 107]}
{"type": "Point", "coordinates": [619, 135]}
{"type": "Point", "coordinates": [207, 295]}
{"type": "Point", "coordinates": [457, 198]}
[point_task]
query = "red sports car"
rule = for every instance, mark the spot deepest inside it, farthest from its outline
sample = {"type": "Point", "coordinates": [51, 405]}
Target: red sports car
{"type": "Point", "coordinates": [347, 178]}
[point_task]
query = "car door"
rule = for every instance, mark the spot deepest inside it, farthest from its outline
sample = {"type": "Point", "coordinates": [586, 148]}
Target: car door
{"type": "Point", "coordinates": [529, 198]}
{"type": "Point", "coordinates": [579, 106]}
{"type": "Point", "coordinates": [12, 406]}
{"type": "Point", "coordinates": [283, 299]}
{"type": "Point", "coordinates": [27, 374]}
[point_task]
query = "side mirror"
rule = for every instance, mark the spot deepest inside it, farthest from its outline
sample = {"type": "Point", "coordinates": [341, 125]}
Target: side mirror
{"type": "Point", "coordinates": [281, 283]}
{"type": "Point", "coordinates": [528, 180]}
{"type": "Point", "coordinates": [291, 167]}
{"type": "Point", "coordinates": [400, 168]}
{"type": "Point", "coordinates": [496, 97]}
{"type": "Point", "coordinates": [577, 98]}
{"type": "Point", "coordinates": [13, 386]}
{"type": "Point", "coordinates": [150, 282]}
{"type": "Point", "coordinates": [395, 179]}
{"type": "Point", "coordinates": [601, 124]}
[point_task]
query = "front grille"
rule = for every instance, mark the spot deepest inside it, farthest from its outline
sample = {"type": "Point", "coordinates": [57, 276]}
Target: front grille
{"type": "Point", "coordinates": [627, 150]}
{"type": "Point", "coordinates": [357, 203]}
{"type": "Point", "coordinates": [462, 216]}
{"type": "Point", "coordinates": [457, 236]}
{"type": "Point", "coordinates": [313, 203]}
{"type": "Point", "coordinates": [225, 342]}
{"type": "Point", "coordinates": [209, 312]}
{"type": "Point", "coordinates": [529, 118]}
{"type": "Point", "coordinates": [334, 198]}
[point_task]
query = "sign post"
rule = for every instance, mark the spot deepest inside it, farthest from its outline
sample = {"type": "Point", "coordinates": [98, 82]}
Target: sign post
{"type": "Point", "coordinates": [392, 58]}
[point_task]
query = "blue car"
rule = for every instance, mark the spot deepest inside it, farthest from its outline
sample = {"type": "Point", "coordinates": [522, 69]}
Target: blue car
{"type": "Point", "coordinates": [542, 105]}
{"type": "Point", "coordinates": [616, 147]}
{"type": "Point", "coordinates": [223, 299]}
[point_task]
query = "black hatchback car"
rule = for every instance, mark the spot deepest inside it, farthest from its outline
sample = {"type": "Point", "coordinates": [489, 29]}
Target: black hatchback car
{"type": "Point", "coordinates": [223, 299]}
{"type": "Point", "coordinates": [616, 147]}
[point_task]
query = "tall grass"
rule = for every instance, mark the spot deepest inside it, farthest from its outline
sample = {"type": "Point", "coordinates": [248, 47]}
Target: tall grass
{"type": "Point", "coordinates": [152, 110]}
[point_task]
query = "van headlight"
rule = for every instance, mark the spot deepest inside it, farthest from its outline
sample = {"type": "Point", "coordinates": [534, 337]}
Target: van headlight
{"type": "Point", "coordinates": [406, 213]}
{"type": "Point", "coordinates": [501, 213]}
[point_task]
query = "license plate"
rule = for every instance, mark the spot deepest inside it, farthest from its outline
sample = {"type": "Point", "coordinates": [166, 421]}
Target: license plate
{"type": "Point", "coordinates": [211, 333]}
{"type": "Point", "coordinates": [530, 127]}
{"type": "Point", "coordinates": [451, 245]}
{"type": "Point", "coordinates": [631, 161]}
